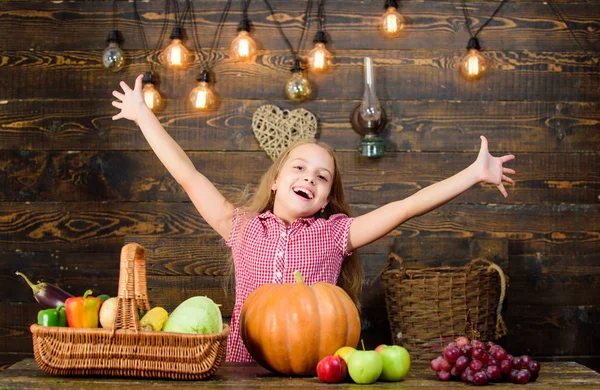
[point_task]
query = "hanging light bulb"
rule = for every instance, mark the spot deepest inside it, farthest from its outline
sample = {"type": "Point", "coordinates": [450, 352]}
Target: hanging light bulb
{"type": "Point", "coordinates": [474, 65]}
{"type": "Point", "coordinates": [113, 57]}
{"type": "Point", "coordinates": [319, 58]}
{"type": "Point", "coordinates": [391, 22]}
{"type": "Point", "coordinates": [176, 55]}
{"type": "Point", "coordinates": [298, 87]}
{"type": "Point", "coordinates": [202, 97]}
{"type": "Point", "coordinates": [151, 96]}
{"type": "Point", "coordinates": [243, 46]}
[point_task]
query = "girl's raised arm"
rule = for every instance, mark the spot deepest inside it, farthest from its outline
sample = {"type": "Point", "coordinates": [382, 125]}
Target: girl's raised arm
{"type": "Point", "coordinates": [376, 224]}
{"type": "Point", "coordinates": [211, 204]}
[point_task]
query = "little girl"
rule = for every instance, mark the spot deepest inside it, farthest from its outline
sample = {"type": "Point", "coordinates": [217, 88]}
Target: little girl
{"type": "Point", "coordinates": [298, 219]}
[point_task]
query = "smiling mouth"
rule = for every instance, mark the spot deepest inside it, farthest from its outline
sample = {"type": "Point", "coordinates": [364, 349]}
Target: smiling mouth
{"type": "Point", "coordinates": [303, 192]}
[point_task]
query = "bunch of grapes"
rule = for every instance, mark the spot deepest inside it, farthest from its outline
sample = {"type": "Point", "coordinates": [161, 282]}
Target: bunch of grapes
{"type": "Point", "coordinates": [478, 363]}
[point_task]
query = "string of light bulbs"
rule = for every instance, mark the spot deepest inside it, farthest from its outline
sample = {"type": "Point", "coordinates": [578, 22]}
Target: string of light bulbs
{"type": "Point", "coordinates": [474, 65]}
{"type": "Point", "coordinates": [152, 97]}
{"type": "Point", "coordinates": [202, 97]}
{"type": "Point", "coordinates": [298, 88]}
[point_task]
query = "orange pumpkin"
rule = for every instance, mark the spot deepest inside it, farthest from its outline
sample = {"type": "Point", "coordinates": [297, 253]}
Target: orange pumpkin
{"type": "Point", "coordinates": [288, 328]}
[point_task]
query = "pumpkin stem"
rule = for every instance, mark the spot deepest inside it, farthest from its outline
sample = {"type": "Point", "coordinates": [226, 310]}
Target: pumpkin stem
{"type": "Point", "coordinates": [298, 277]}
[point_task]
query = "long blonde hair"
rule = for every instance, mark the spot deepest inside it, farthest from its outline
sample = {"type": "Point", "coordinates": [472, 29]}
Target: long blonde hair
{"type": "Point", "coordinates": [351, 273]}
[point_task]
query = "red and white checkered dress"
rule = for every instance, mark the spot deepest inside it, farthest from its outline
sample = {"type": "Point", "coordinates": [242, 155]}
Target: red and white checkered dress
{"type": "Point", "coordinates": [266, 251]}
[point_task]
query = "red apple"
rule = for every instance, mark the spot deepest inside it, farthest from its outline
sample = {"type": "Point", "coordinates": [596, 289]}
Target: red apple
{"type": "Point", "coordinates": [332, 369]}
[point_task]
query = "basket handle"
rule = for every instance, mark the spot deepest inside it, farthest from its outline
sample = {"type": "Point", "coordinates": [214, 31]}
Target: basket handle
{"type": "Point", "coordinates": [392, 258]}
{"type": "Point", "coordinates": [500, 325]}
{"type": "Point", "coordinates": [133, 294]}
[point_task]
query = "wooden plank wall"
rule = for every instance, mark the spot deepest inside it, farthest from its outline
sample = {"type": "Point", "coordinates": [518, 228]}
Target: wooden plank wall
{"type": "Point", "coordinates": [73, 183]}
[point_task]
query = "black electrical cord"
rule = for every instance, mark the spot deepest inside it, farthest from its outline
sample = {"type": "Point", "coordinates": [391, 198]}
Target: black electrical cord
{"type": "Point", "coordinates": [468, 21]}
{"type": "Point", "coordinates": [115, 15]}
{"type": "Point", "coordinates": [206, 61]}
{"type": "Point", "coordinates": [307, 12]}
{"type": "Point", "coordinates": [558, 13]}
{"type": "Point", "coordinates": [245, 5]}
{"type": "Point", "coordinates": [321, 15]}
{"type": "Point", "coordinates": [143, 35]}
{"type": "Point", "coordinates": [181, 19]}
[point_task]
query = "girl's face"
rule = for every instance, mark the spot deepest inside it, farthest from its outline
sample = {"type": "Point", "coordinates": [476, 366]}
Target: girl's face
{"type": "Point", "coordinates": [303, 185]}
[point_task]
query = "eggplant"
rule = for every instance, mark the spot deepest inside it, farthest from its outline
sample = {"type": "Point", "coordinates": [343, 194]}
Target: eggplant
{"type": "Point", "coordinates": [48, 295]}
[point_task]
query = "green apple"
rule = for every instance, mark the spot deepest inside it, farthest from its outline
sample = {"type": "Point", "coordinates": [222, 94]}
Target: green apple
{"type": "Point", "coordinates": [365, 366]}
{"type": "Point", "coordinates": [345, 353]}
{"type": "Point", "coordinates": [396, 362]}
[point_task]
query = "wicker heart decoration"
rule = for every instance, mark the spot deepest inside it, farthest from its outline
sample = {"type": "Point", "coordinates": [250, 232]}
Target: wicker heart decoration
{"type": "Point", "coordinates": [276, 129]}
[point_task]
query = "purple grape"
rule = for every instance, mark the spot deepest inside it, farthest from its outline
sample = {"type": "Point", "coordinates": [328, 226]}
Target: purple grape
{"type": "Point", "coordinates": [462, 340]}
{"type": "Point", "coordinates": [451, 344]}
{"type": "Point", "coordinates": [463, 377]}
{"type": "Point", "coordinates": [476, 365]}
{"type": "Point", "coordinates": [455, 372]}
{"type": "Point", "coordinates": [478, 344]}
{"type": "Point", "coordinates": [443, 375]}
{"type": "Point", "coordinates": [492, 348]}
{"type": "Point", "coordinates": [493, 373]}
{"type": "Point", "coordinates": [534, 377]}
{"type": "Point", "coordinates": [435, 364]}
{"type": "Point", "coordinates": [451, 354]}
{"type": "Point", "coordinates": [480, 378]}
{"type": "Point", "coordinates": [523, 377]}
{"type": "Point", "coordinates": [485, 358]}
{"type": "Point", "coordinates": [477, 353]}
{"type": "Point", "coordinates": [469, 371]}
{"type": "Point", "coordinates": [505, 366]}
{"type": "Point", "coordinates": [517, 363]}
{"type": "Point", "coordinates": [525, 360]}
{"type": "Point", "coordinates": [534, 367]}
{"type": "Point", "coordinates": [493, 362]}
{"type": "Point", "coordinates": [461, 363]}
{"type": "Point", "coordinates": [512, 377]}
{"type": "Point", "coordinates": [466, 350]}
{"type": "Point", "coordinates": [499, 354]}
{"type": "Point", "coordinates": [445, 365]}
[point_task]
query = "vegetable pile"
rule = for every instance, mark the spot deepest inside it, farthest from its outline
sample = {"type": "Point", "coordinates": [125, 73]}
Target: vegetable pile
{"type": "Point", "coordinates": [198, 315]}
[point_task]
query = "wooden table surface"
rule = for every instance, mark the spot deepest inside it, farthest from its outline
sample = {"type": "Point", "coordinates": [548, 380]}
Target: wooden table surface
{"type": "Point", "coordinates": [27, 375]}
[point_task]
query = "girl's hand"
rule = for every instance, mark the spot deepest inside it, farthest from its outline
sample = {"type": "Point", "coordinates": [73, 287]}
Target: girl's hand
{"type": "Point", "coordinates": [130, 101]}
{"type": "Point", "coordinates": [491, 168]}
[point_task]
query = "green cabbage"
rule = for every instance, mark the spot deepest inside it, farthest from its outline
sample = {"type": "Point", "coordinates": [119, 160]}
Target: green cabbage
{"type": "Point", "coordinates": [195, 315]}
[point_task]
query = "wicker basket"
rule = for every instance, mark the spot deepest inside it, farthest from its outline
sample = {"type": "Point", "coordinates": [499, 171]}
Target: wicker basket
{"type": "Point", "coordinates": [428, 308]}
{"type": "Point", "coordinates": [124, 350]}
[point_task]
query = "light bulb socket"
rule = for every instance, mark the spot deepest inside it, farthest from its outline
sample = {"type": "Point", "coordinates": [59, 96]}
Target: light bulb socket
{"type": "Point", "coordinates": [244, 25]}
{"type": "Point", "coordinates": [473, 44]}
{"type": "Point", "coordinates": [320, 37]}
{"type": "Point", "coordinates": [114, 36]}
{"type": "Point", "coordinates": [297, 66]}
{"type": "Point", "coordinates": [148, 78]}
{"type": "Point", "coordinates": [390, 3]}
{"type": "Point", "coordinates": [176, 33]}
{"type": "Point", "coordinates": [204, 76]}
